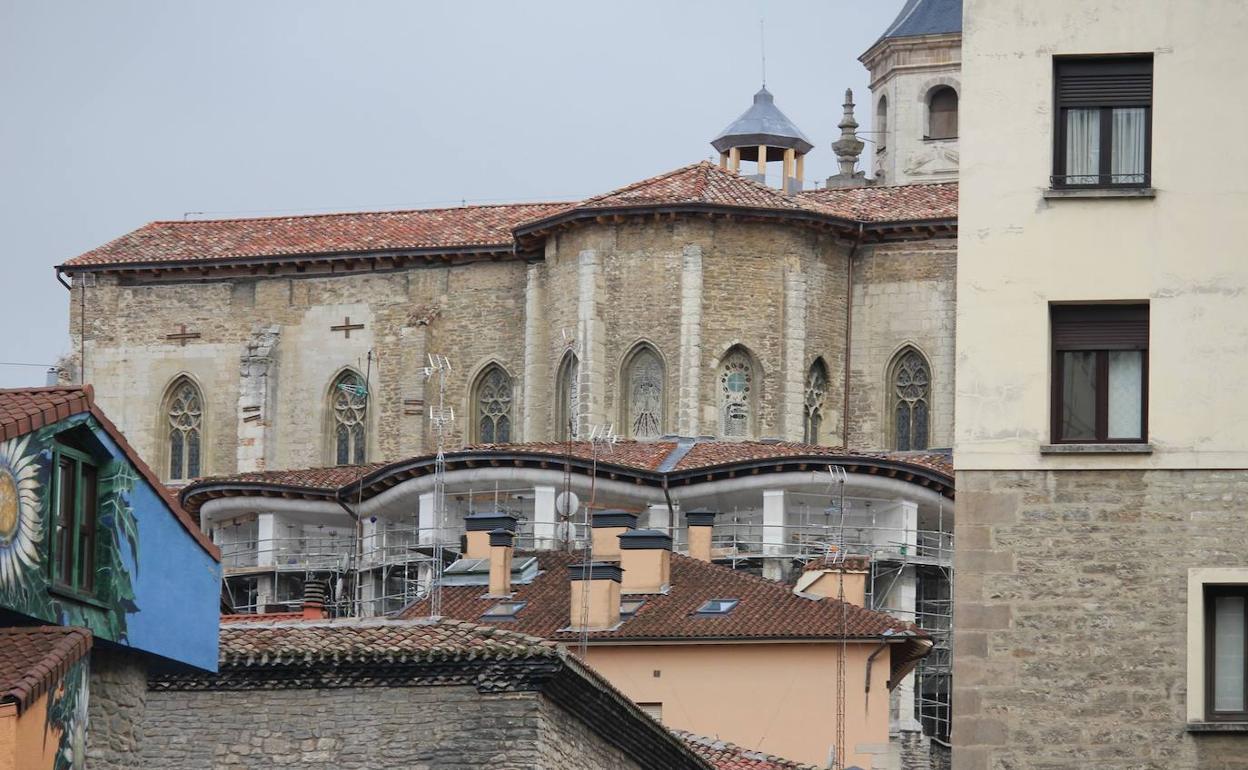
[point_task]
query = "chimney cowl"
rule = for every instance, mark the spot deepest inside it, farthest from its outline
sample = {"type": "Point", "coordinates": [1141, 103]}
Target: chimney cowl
{"type": "Point", "coordinates": [614, 518]}
{"type": "Point", "coordinates": [596, 571]}
{"type": "Point", "coordinates": [701, 517]}
{"type": "Point", "coordinates": [645, 539]}
{"type": "Point", "coordinates": [485, 522]}
{"type": "Point", "coordinates": [501, 537]}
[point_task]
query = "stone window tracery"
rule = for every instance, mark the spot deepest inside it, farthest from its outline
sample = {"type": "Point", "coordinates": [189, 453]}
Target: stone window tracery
{"type": "Point", "coordinates": [349, 410]}
{"type": "Point", "coordinates": [644, 393]}
{"type": "Point", "coordinates": [910, 389]}
{"type": "Point", "coordinates": [816, 392]}
{"type": "Point", "coordinates": [736, 393]}
{"type": "Point", "coordinates": [493, 403]}
{"type": "Point", "coordinates": [184, 412]}
{"type": "Point", "coordinates": [568, 393]}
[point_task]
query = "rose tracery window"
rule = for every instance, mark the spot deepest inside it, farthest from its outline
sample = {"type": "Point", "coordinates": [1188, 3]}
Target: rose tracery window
{"type": "Point", "coordinates": [493, 404]}
{"type": "Point", "coordinates": [911, 394]}
{"type": "Point", "coordinates": [736, 385]}
{"type": "Point", "coordinates": [184, 412]}
{"type": "Point", "coordinates": [349, 401]}
{"type": "Point", "coordinates": [644, 394]}
{"type": "Point", "coordinates": [812, 409]}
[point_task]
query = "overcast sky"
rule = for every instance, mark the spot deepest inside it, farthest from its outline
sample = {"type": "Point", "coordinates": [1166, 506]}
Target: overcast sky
{"type": "Point", "coordinates": [114, 113]}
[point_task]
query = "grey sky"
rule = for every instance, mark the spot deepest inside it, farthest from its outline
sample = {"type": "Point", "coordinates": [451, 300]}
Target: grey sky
{"type": "Point", "coordinates": [117, 113]}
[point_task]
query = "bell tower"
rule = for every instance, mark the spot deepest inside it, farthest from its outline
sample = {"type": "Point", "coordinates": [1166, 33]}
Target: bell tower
{"type": "Point", "coordinates": [763, 134]}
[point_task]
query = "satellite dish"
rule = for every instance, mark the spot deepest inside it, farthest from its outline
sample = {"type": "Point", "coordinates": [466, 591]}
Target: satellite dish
{"type": "Point", "coordinates": [567, 503]}
{"type": "Point", "coordinates": [563, 531]}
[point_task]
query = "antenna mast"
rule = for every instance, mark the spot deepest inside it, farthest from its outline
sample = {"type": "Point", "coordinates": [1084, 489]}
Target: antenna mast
{"type": "Point", "coordinates": [442, 417]}
{"type": "Point", "coordinates": [762, 46]}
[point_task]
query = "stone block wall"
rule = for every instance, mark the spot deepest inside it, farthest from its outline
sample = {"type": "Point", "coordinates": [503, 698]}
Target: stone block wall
{"type": "Point", "coordinates": [1070, 620]}
{"type": "Point", "coordinates": [115, 710]}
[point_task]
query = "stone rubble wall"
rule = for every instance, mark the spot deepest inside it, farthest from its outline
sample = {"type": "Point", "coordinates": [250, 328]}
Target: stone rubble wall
{"type": "Point", "coordinates": [115, 710]}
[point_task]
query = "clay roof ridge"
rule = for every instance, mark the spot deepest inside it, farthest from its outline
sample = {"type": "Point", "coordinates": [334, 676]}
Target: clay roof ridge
{"type": "Point", "coordinates": [38, 675]}
{"type": "Point", "coordinates": [378, 212]}
{"type": "Point", "coordinates": [709, 747]}
{"type": "Point", "coordinates": [643, 183]}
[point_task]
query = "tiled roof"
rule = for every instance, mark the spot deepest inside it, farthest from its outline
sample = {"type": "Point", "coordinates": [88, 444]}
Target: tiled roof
{"type": "Point", "coordinates": [313, 643]}
{"type": "Point", "coordinates": [926, 17]}
{"type": "Point", "coordinates": [330, 478]}
{"type": "Point", "coordinates": [24, 410]}
{"type": "Point", "coordinates": [34, 658]}
{"type": "Point", "coordinates": [709, 454]}
{"type": "Point", "coordinates": [766, 609]}
{"type": "Point", "coordinates": [451, 228]}
{"type": "Point", "coordinates": [729, 756]}
{"type": "Point", "coordinates": [886, 204]}
{"type": "Point", "coordinates": [701, 182]}
{"type": "Point", "coordinates": [642, 455]}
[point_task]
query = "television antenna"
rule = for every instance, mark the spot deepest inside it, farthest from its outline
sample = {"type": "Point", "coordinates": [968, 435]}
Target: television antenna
{"type": "Point", "coordinates": [441, 417]}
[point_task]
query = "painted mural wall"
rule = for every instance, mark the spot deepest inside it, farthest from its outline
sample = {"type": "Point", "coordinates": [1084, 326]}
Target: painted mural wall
{"type": "Point", "coordinates": [151, 586]}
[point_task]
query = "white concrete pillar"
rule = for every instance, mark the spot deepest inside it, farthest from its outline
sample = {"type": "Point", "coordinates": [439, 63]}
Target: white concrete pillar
{"type": "Point", "coordinates": [659, 517]}
{"type": "Point", "coordinates": [265, 591]}
{"type": "Point", "coordinates": [372, 538]}
{"type": "Point", "coordinates": [266, 547]}
{"type": "Point", "coordinates": [430, 529]}
{"type": "Point", "coordinates": [773, 533]}
{"type": "Point", "coordinates": [545, 518]}
{"type": "Point", "coordinates": [909, 525]}
{"type": "Point", "coordinates": [688, 401]}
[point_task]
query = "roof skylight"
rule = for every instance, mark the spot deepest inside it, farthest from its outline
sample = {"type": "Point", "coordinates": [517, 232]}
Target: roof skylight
{"type": "Point", "coordinates": [717, 606]}
{"type": "Point", "coordinates": [503, 611]}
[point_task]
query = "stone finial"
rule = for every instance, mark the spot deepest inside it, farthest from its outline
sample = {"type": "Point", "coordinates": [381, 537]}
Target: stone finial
{"type": "Point", "coordinates": [849, 146]}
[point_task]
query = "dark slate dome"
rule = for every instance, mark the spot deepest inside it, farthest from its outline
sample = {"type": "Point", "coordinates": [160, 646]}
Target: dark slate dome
{"type": "Point", "coordinates": [926, 17]}
{"type": "Point", "coordinates": [763, 123]}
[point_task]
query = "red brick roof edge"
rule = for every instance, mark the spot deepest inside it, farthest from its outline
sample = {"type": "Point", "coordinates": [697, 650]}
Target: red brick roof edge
{"type": "Point", "coordinates": [34, 658]}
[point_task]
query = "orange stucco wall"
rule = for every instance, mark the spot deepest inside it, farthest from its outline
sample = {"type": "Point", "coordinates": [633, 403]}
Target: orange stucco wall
{"type": "Point", "coordinates": [27, 742]}
{"type": "Point", "coordinates": [776, 698]}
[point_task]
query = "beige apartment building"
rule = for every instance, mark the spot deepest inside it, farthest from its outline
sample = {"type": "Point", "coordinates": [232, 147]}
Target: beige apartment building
{"type": "Point", "coordinates": [1102, 333]}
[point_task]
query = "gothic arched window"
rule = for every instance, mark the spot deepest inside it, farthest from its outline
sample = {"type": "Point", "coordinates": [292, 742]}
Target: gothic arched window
{"type": "Point", "coordinates": [736, 394]}
{"type": "Point", "coordinates": [491, 402]}
{"type": "Point", "coordinates": [568, 395]}
{"type": "Point", "coordinates": [881, 124]}
{"type": "Point", "coordinates": [348, 399]}
{"type": "Point", "coordinates": [812, 408]}
{"type": "Point", "coordinates": [910, 387]}
{"type": "Point", "coordinates": [942, 113]}
{"type": "Point", "coordinates": [643, 393]}
{"type": "Point", "coordinates": [184, 413]}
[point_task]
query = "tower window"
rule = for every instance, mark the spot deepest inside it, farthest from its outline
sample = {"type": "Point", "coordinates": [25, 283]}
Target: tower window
{"type": "Point", "coordinates": [942, 113]}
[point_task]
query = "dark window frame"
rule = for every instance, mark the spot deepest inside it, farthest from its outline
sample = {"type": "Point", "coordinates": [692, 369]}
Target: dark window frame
{"type": "Point", "coordinates": [1059, 179]}
{"type": "Point", "coordinates": [930, 134]}
{"type": "Point", "coordinates": [1100, 341]}
{"type": "Point", "coordinates": [1213, 591]}
{"type": "Point", "coordinates": [80, 527]}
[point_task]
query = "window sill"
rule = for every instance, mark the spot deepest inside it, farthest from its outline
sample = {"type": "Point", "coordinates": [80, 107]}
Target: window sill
{"type": "Point", "coordinates": [1217, 727]}
{"type": "Point", "coordinates": [75, 596]}
{"type": "Point", "coordinates": [1054, 193]}
{"type": "Point", "coordinates": [1096, 449]}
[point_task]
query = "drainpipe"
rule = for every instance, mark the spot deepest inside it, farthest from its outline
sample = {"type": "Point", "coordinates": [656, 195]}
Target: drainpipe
{"type": "Point", "coordinates": [870, 659]}
{"type": "Point", "coordinates": [358, 558]}
{"type": "Point", "coordinates": [849, 327]}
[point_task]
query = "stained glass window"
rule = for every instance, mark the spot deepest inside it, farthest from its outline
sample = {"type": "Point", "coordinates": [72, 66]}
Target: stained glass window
{"type": "Point", "coordinates": [349, 401]}
{"type": "Point", "coordinates": [493, 404]}
{"type": "Point", "coordinates": [736, 386]}
{"type": "Point", "coordinates": [185, 414]}
{"type": "Point", "coordinates": [911, 393]}
{"type": "Point", "coordinates": [644, 383]}
{"type": "Point", "coordinates": [812, 410]}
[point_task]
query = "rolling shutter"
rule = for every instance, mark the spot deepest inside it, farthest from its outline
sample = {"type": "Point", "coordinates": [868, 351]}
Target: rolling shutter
{"type": "Point", "coordinates": [1108, 82]}
{"type": "Point", "coordinates": [1100, 327]}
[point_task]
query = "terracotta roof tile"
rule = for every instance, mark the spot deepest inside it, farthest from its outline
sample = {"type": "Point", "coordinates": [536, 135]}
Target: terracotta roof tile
{"type": "Point", "coordinates": [34, 658]}
{"type": "Point", "coordinates": [709, 454]}
{"type": "Point", "coordinates": [886, 204]}
{"type": "Point", "coordinates": [729, 756]}
{"type": "Point", "coordinates": [696, 183]}
{"type": "Point", "coordinates": [642, 455]}
{"type": "Point", "coordinates": [23, 410]}
{"type": "Point", "coordinates": [766, 609]}
{"type": "Point", "coordinates": [449, 228]}
{"type": "Point", "coordinates": [327, 478]}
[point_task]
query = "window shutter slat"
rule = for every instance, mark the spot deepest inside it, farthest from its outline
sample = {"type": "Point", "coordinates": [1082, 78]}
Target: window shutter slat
{"type": "Point", "coordinates": [1108, 82]}
{"type": "Point", "coordinates": [1100, 327]}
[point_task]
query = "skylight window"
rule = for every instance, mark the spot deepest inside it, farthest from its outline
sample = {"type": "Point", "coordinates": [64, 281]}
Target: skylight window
{"type": "Point", "coordinates": [503, 611]}
{"type": "Point", "coordinates": [629, 607]}
{"type": "Point", "coordinates": [717, 606]}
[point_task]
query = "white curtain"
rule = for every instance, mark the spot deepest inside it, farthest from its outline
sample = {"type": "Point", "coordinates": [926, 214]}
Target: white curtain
{"type": "Point", "coordinates": [1126, 370]}
{"type": "Point", "coordinates": [1228, 653]}
{"type": "Point", "coordinates": [1083, 146]}
{"type": "Point", "coordinates": [1127, 162]}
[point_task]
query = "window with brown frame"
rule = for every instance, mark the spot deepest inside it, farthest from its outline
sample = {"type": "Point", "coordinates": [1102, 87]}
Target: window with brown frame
{"type": "Point", "coordinates": [1226, 653]}
{"type": "Point", "coordinates": [1104, 118]}
{"type": "Point", "coordinates": [1100, 373]}
{"type": "Point", "coordinates": [942, 113]}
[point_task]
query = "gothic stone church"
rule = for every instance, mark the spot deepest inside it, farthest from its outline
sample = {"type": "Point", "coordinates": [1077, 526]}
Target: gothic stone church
{"type": "Point", "coordinates": [701, 301]}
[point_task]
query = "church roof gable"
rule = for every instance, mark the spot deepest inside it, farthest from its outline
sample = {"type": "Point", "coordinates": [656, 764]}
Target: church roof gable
{"type": "Point", "coordinates": [926, 17]}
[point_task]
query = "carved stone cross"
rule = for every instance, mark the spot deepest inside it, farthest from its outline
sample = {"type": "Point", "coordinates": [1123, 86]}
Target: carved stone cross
{"type": "Point", "coordinates": [346, 326]}
{"type": "Point", "coordinates": [183, 335]}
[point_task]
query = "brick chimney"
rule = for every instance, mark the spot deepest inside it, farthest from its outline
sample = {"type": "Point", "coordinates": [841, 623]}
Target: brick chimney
{"type": "Point", "coordinates": [825, 578]}
{"type": "Point", "coordinates": [701, 521]}
{"type": "Point", "coordinates": [314, 600]}
{"type": "Point", "coordinates": [607, 526]}
{"type": "Point", "coordinates": [602, 598]}
{"type": "Point", "coordinates": [500, 561]}
{"type": "Point", "coordinates": [479, 526]}
{"type": "Point", "coordinates": [646, 558]}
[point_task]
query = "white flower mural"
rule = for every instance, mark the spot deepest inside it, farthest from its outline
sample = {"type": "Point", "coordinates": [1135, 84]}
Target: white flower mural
{"type": "Point", "coordinates": [21, 528]}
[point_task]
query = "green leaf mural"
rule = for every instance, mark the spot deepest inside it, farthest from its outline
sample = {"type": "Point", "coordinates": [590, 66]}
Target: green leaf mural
{"type": "Point", "coordinates": [67, 712]}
